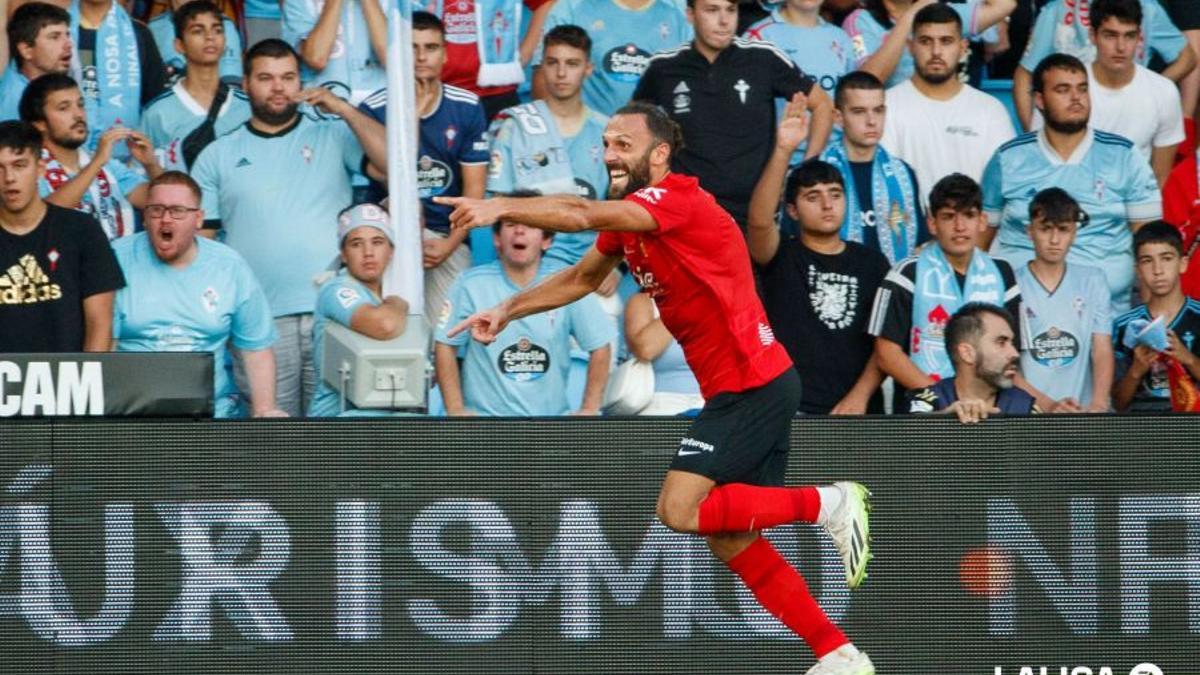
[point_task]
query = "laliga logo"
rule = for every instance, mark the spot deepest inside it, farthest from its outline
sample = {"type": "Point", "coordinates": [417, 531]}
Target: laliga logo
{"type": "Point", "coordinates": [1141, 669]}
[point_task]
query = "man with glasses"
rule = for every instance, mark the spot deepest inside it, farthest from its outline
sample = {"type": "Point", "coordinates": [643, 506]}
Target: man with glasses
{"type": "Point", "coordinates": [190, 294]}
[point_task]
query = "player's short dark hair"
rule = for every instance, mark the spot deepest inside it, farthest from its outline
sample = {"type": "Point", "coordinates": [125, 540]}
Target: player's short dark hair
{"type": "Point", "coordinates": [28, 21]}
{"type": "Point", "coordinates": [1056, 206]}
{"type": "Point", "coordinates": [1124, 11]}
{"type": "Point", "coordinates": [1065, 62]}
{"type": "Point", "coordinates": [177, 177]}
{"type": "Point", "coordinates": [858, 80]}
{"type": "Point", "coordinates": [270, 48]}
{"type": "Point", "coordinates": [192, 10]}
{"type": "Point", "coordinates": [569, 35]}
{"type": "Point", "coordinates": [692, 3]}
{"type": "Point", "coordinates": [662, 127]}
{"type": "Point", "coordinates": [521, 193]}
{"type": "Point", "coordinates": [20, 136]}
{"type": "Point", "coordinates": [957, 192]}
{"type": "Point", "coordinates": [427, 21]}
{"type": "Point", "coordinates": [32, 107]}
{"type": "Point", "coordinates": [1157, 232]}
{"type": "Point", "coordinates": [966, 326]}
{"type": "Point", "coordinates": [937, 13]}
{"type": "Point", "coordinates": [809, 173]}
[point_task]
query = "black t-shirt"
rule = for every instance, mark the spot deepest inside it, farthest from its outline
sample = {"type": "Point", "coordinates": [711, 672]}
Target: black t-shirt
{"type": "Point", "coordinates": [818, 306]}
{"type": "Point", "coordinates": [860, 173]}
{"type": "Point", "coordinates": [154, 73]}
{"type": "Point", "coordinates": [45, 276]}
{"type": "Point", "coordinates": [726, 110]}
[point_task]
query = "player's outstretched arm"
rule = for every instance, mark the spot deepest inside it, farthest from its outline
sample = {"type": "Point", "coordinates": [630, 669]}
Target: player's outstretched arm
{"type": "Point", "coordinates": [560, 288]}
{"type": "Point", "coordinates": [559, 213]}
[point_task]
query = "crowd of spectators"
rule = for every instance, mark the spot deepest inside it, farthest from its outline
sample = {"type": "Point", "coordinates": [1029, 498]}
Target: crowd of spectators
{"type": "Point", "coordinates": [187, 175]}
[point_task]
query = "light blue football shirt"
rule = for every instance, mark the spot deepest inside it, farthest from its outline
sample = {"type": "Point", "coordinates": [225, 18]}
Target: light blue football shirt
{"type": "Point", "coordinates": [162, 28]}
{"type": "Point", "coordinates": [623, 40]}
{"type": "Point", "coordinates": [823, 52]}
{"type": "Point", "coordinates": [1058, 29]}
{"type": "Point", "coordinates": [277, 197]}
{"type": "Point", "coordinates": [213, 302]}
{"type": "Point", "coordinates": [1106, 175]}
{"type": "Point", "coordinates": [12, 85]}
{"type": "Point", "coordinates": [867, 35]}
{"type": "Point", "coordinates": [174, 114]}
{"type": "Point", "coordinates": [262, 9]}
{"type": "Point", "coordinates": [337, 301]}
{"type": "Point", "coordinates": [524, 372]}
{"type": "Point", "coordinates": [352, 69]}
{"type": "Point", "coordinates": [510, 169]}
{"type": "Point", "coordinates": [1057, 328]}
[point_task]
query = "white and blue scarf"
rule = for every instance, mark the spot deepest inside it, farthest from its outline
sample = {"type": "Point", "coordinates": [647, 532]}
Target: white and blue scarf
{"type": "Point", "coordinates": [112, 88]}
{"type": "Point", "coordinates": [893, 198]}
{"type": "Point", "coordinates": [937, 296]}
{"type": "Point", "coordinates": [498, 23]}
{"type": "Point", "coordinates": [539, 153]}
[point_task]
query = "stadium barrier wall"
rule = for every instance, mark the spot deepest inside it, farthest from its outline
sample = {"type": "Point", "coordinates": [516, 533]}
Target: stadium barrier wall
{"type": "Point", "coordinates": [529, 546]}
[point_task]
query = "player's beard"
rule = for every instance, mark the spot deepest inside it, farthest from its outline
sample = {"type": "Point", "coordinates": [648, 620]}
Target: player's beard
{"type": "Point", "coordinates": [636, 177]}
{"type": "Point", "coordinates": [268, 116]}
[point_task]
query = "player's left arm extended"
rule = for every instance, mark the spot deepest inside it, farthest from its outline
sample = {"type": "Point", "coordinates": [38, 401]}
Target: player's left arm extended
{"type": "Point", "coordinates": [559, 213]}
{"type": "Point", "coordinates": [563, 287]}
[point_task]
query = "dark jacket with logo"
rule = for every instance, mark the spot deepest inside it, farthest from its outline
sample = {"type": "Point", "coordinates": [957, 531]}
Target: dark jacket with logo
{"type": "Point", "coordinates": [941, 395]}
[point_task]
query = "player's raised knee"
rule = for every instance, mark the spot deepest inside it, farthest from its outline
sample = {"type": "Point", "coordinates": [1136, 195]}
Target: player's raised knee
{"type": "Point", "coordinates": [680, 515]}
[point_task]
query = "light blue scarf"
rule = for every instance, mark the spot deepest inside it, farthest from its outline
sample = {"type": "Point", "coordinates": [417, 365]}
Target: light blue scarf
{"type": "Point", "coordinates": [894, 202]}
{"type": "Point", "coordinates": [112, 90]}
{"type": "Point", "coordinates": [937, 296]}
{"type": "Point", "coordinates": [498, 23]}
{"type": "Point", "coordinates": [539, 153]}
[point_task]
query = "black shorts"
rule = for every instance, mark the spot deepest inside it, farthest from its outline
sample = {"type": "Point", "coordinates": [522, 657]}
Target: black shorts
{"type": "Point", "coordinates": [1185, 14]}
{"type": "Point", "coordinates": [743, 437]}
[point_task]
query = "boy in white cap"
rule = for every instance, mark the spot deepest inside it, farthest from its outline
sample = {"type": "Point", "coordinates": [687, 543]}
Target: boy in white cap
{"type": "Point", "coordinates": [354, 298]}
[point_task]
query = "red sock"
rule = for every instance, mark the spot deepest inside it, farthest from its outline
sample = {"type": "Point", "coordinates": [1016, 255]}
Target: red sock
{"type": "Point", "coordinates": [781, 591]}
{"type": "Point", "coordinates": [738, 507]}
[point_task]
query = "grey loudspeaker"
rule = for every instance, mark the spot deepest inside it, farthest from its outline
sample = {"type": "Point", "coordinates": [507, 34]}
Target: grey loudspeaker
{"type": "Point", "coordinates": [390, 374]}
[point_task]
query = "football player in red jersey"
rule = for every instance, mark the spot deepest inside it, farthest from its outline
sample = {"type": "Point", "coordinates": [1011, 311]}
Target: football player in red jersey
{"type": "Point", "coordinates": [689, 255]}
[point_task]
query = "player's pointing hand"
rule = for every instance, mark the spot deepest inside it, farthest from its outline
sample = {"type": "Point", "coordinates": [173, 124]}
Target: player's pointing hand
{"type": "Point", "coordinates": [485, 325]}
{"type": "Point", "coordinates": [471, 213]}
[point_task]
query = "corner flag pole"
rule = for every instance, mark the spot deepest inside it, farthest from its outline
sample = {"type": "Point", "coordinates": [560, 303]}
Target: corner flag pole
{"type": "Point", "coordinates": [405, 276]}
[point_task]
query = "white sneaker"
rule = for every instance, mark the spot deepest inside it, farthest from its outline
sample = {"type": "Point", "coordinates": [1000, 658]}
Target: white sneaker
{"type": "Point", "coordinates": [840, 663]}
{"type": "Point", "coordinates": [850, 528]}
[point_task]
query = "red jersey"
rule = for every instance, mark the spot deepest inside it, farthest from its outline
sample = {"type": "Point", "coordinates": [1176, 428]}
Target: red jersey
{"type": "Point", "coordinates": [462, 48]}
{"type": "Point", "coordinates": [697, 268]}
{"type": "Point", "coordinates": [1181, 208]}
